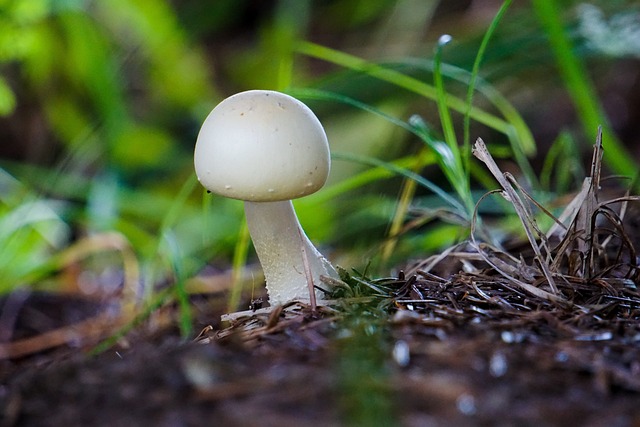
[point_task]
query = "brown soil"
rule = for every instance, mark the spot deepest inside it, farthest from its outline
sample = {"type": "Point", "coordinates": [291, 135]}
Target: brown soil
{"type": "Point", "coordinates": [427, 364]}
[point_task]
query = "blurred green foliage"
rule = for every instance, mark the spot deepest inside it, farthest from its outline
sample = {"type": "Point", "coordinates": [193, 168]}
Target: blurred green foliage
{"type": "Point", "coordinates": [116, 82]}
{"type": "Point", "coordinates": [101, 102]}
{"type": "Point", "coordinates": [109, 75]}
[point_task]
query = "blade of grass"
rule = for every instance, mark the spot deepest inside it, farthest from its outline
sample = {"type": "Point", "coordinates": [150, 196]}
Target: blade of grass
{"type": "Point", "coordinates": [562, 162]}
{"type": "Point", "coordinates": [402, 207]}
{"type": "Point", "coordinates": [240, 253]}
{"type": "Point", "coordinates": [580, 88]}
{"type": "Point", "coordinates": [366, 160]}
{"type": "Point", "coordinates": [452, 160]}
{"type": "Point", "coordinates": [324, 95]}
{"type": "Point", "coordinates": [475, 71]}
{"type": "Point", "coordinates": [185, 317]}
{"type": "Point", "coordinates": [179, 202]}
{"type": "Point", "coordinates": [441, 100]}
{"type": "Point", "coordinates": [401, 80]}
{"type": "Point", "coordinates": [241, 250]}
{"type": "Point", "coordinates": [369, 176]}
{"type": "Point", "coordinates": [520, 134]}
{"type": "Point", "coordinates": [515, 128]}
{"type": "Point", "coordinates": [167, 244]}
{"type": "Point", "coordinates": [29, 231]}
{"type": "Point", "coordinates": [413, 162]}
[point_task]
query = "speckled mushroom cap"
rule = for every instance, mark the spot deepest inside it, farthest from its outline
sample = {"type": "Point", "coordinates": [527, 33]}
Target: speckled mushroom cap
{"type": "Point", "coordinates": [262, 146]}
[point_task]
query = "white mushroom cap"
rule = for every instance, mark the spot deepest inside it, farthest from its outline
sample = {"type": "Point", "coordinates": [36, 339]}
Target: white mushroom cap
{"type": "Point", "coordinates": [262, 146]}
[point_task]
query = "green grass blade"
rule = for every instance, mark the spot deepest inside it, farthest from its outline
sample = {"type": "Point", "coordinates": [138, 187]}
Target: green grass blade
{"type": "Point", "coordinates": [185, 317]}
{"type": "Point", "coordinates": [399, 79]}
{"type": "Point", "coordinates": [240, 253]}
{"type": "Point", "coordinates": [169, 245]}
{"type": "Point", "coordinates": [513, 127]}
{"type": "Point", "coordinates": [519, 133]}
{"type": "Point", "coordinates": [441, 100]}
{"type": "Point", "coordinates": [448, 157]}
{"type": "Point", "coordinates": [366, 160]}
{"type": "Point", "coordinates": [450, 153]}
{"type": "Point", "coordinates": [324, 95]}
{"type": "Point", "coordinates": [475, 71]}
{"type": "Point", "coordinates": [369, 176]}
{"type": "Point", "coordinates": [175, 210]}
{"type": "Point", "coordinates": [581, 89]}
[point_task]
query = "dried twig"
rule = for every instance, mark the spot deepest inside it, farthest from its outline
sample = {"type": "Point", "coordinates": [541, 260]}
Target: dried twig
{"type": "Point", "coordinates": [528, 223]}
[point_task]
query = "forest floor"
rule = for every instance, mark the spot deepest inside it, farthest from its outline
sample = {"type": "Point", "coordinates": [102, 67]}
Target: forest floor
{"type": "Point", "coordinates": [541, 334]}
{"type": "Point", "coordinates": [304, 369]}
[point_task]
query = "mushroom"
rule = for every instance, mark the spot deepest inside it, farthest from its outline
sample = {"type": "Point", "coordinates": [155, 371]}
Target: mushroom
{"type": "Point", "coordinates": [266, 148]}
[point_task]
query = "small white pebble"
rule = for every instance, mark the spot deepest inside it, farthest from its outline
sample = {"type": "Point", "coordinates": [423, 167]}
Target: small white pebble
{"type": "Point", "coordinates": [466, 404]}
{"type": "Point", "coordinates": [507, 337]}
{"type": "Point", "coordinates": [498, 364]}
{"type": "Point", "coordinates": [401, 353]}
{"type": "Point", "coordinates": [511, 337]}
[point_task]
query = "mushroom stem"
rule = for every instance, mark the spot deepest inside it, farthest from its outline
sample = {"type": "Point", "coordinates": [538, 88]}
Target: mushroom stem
{"type": "Point", "coordinates": [279, 240]}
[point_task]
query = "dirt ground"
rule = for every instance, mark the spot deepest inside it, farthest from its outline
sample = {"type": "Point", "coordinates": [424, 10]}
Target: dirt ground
{"type": "Point", "coordinates": [479, 364]}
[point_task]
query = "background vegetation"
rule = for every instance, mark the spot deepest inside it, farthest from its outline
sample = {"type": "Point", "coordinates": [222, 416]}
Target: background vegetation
{"type": "Point", "coordinates": [101, 102]}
